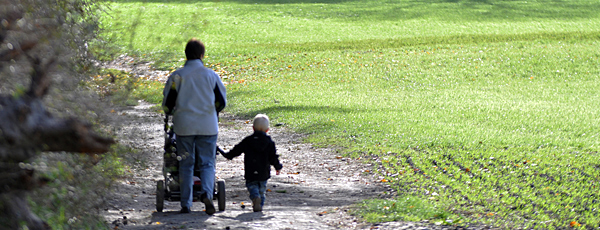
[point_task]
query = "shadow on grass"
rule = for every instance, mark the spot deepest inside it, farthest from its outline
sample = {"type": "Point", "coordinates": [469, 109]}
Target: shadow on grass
{"type": "Point", "coordinates": [296, 108]}
{"type": "Point", "coordinates": [283, 108]}
{"type": "Point", "coordinates": [431, 40]}
{"type": "Point", "coordinates": [447, 10]}
{"type": "Point", "coordinates": [301, 111]}
{"type": "Point", "coordinates": [247, 1]}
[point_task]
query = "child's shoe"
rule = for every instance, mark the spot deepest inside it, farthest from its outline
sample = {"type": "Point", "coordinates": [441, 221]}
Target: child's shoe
{"type": "Point", "coordinates": [256, 204]}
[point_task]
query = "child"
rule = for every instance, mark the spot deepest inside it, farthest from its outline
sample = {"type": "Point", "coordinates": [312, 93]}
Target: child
{"type": "Point", "coordinates": [260, 154]}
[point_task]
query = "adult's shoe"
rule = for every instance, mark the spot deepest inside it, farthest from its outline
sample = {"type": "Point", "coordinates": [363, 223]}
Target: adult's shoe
{"type": "Point", "coordinates": [185, 210]}
{"type": "Point", "coordinates": [210, 207]}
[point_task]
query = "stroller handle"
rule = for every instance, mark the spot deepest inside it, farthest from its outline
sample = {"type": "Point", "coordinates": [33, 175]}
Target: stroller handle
{"type": "Point", "coordinates": [218, 150]}
{"type": "Point", "coordinates": [166, 122]}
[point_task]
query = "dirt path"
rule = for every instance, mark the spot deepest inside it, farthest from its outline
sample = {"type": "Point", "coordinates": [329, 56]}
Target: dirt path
{"type": "Point", "coordinates": [313, 192]}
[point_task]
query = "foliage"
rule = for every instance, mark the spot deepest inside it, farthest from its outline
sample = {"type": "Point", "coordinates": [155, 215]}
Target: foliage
{"type": "Point", "coordinates": [60, 32]}
{"type": "Point", "coordinates": [49, 39]}
{"type": "Point", "coordinates": [492, 106]}
{"type": "Point", "coordinates": [78, 187]}
{"type": "Point", "coordinates": [74, 196]}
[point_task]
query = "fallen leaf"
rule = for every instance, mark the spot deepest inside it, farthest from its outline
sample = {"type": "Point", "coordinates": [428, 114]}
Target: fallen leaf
{"type": "Point", "coordinates": [574, 224]}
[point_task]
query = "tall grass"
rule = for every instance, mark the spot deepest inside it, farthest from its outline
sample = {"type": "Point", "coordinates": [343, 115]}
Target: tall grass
{"type": "Point", "coordinates": [487, 108]}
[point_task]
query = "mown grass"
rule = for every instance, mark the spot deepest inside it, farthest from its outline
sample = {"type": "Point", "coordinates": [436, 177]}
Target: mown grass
{"type": "Point", "coordinates": [488, 109]}
{"type": "Point", "coordinates": [405, 208]}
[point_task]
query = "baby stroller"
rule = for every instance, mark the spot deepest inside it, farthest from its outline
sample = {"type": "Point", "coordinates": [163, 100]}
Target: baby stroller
{"type": "Point", "coordinates": [168, 189]}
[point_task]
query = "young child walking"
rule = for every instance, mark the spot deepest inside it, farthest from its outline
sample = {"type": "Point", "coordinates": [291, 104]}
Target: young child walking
{"type": "Point", "coordinates": [260, 154]}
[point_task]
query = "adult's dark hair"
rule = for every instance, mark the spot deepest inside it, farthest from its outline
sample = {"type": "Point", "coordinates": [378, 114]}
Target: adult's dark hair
{"type": "Point", "coordinates": [194, 49]}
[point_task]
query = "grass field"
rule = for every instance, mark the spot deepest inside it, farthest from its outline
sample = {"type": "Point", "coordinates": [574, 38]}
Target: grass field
{"type": "Point", "coordinates": [488, 109]}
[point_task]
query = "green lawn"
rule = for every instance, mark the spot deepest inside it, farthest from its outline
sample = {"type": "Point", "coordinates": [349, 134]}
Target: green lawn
{"type": "Point", "coordinates": [488, 109]}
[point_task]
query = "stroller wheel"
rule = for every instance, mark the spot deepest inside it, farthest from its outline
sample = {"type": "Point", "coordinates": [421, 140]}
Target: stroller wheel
{"type": "Point", "coordinates": [160, 195]}
{"type": "Point", "coordinates": [221, 194]}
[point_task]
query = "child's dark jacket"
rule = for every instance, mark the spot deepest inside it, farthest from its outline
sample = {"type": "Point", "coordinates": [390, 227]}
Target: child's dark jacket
{"type": "Point", "coordinates": [259, 154]}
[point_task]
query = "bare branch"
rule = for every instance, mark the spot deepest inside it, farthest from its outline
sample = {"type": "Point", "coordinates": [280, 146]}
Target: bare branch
{"type": "Point", "coordinates": [72, 135]}
{"type": "Point", "coordinates": [40, 82]}
{"type": "Point", "coordinates": [27, 127]}
{"type": "Point", "coordinates": [8, 19]}
{"type": "Point", "coordinates": [18, 50]}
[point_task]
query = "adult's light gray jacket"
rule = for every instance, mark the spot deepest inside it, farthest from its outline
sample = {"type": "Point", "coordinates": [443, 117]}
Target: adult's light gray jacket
{"type": "Point", "coordinates": [194, 95]}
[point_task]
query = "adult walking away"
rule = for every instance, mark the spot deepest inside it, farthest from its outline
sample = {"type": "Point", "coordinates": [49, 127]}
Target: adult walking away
{"type": "Point", "coordinates": [194, 95]}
